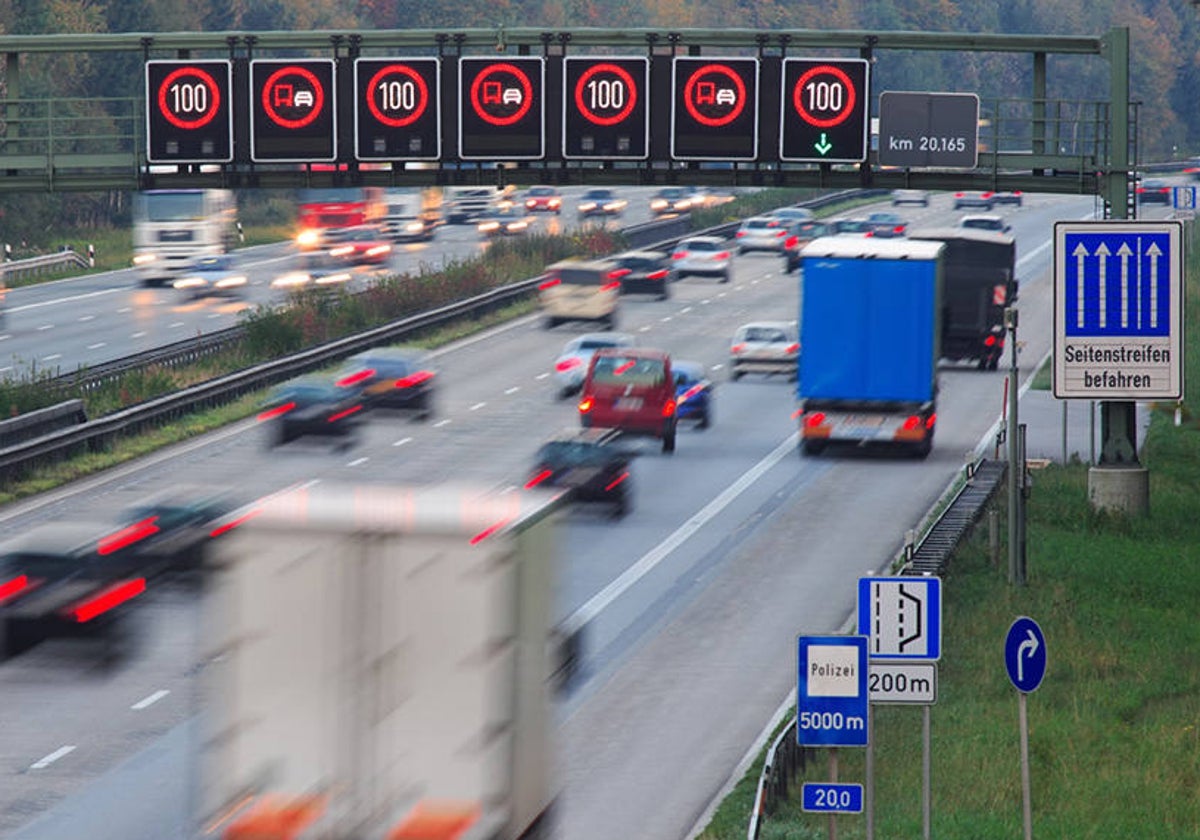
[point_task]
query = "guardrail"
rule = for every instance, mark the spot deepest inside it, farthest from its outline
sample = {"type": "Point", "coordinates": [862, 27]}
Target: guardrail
{"type": "Point", "coordinates": [930, 556]}
{"type": "Point", "coordinates": [42, 264]}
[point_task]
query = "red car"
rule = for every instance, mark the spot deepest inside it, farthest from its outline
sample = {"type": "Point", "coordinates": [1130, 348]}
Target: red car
{"type": "Point", "coordinates": [362, 246]}
{"type": "Point", "coordinates": [632, 390]}
{"type": "Point", "coordinates": [543, 200]}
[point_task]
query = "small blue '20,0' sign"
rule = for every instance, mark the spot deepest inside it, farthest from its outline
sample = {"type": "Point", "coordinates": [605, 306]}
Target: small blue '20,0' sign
{"type": "Point", "coordinates": [832, 798]}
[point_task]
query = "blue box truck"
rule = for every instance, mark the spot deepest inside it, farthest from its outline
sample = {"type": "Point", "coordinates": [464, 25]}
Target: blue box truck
{"type": "Point", "coordinates": [870, 324]}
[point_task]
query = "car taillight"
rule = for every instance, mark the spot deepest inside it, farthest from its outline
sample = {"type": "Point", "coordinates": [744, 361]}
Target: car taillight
{"type": "Point", "coordinates": [661, 274]}
{"type": "Point", "coordinates": [618, 273]}
{"type": "Point", "coordinates": [12, 587]}
{"type": "Point", "coordinates": [721, 255]}
{"type": "Point", "coordinates": [549, 284]}
{"type": "Point", "coordinates": [616, 481]}
{"type": "Point", "coordinates": [791, 242]}
{"type": "Point", "coordinates": [611, 287]}
{"type": "Point", "coordinates": [737, 348]}
{"type": "Point", "coordinates": [413, 379]}
{"type": "Point", "coordinates": [105, 600]}
{"type": "Point", "coordinates": [690, 392]}
{"type": "Point", "coordinates": [1140, 190]}
{"type": "Point", "coordinates": [565, 365]}
{"type": "Point", "coordinates": [342, 415]}
{"type": "Point", "coordinates": [277, 411]}
{"type": "Point", "coordinates": [898, 229]}
{"type": "Point", "coordinates": [959, 195]}
{"type": "Point", "coordinates": [740, 234]}
{"type": "Point", "coordinates": [538, 479]}
{"type": "Point", "coordinates": [932, 419]}
{"type": "Point", "coordinates": [817, 418]}
{"type": "Point", "coordinates": [911, 423]}
{"type": "Point", "coordinates": [792, 348]}
{"type": "Point", "coordinates": [355, 378]}
{"type": "Point", "coordinates": [226, 527]}
{"type": "Point", "coordinates": [781, 233]}
{"type": "Point", "coordinates": [990, 341]}
{"type": "Point", "coordinates": [678, 255]}
{"type": "Point", "coordinates": [586, 404]}
{"type": "Point", "coordinates": [127, 536]}
{"type": "Point", "coordinates": [988, 194]}
{"type": "Point", "coordinates": [668, 409]}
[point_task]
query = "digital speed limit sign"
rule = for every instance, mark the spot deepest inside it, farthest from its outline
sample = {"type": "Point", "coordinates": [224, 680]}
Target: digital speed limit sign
{"type": "Point", "coordinates": [606, 113]}
{"type": "Point", "coordinates": [396, 113]}
{"type": "Point", "coordinates": [188, 113]}
{"type": "Point", "coordinates": [824, 110]}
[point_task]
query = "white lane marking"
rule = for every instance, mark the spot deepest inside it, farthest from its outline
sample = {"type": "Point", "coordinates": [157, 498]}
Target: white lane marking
{"type": "Point", "coordinates": [512, 390]}
{"type": "Point", "coordinates": [618, 587]}
{"type": "Point", "coordinates": [402, 441]}
{"type": "Point", "coordinates": [124, 310]}
{"type": "Point", "coordinates": [357, 461]}
{"type": "Point", "coordinates": [441, 423]}
{"type": "Point", "coordinates": [216, 315]}
{"type": "Point", "coordinates": [5, 369]}
{"type": "Point", "coordinates": [722, 294]}
{"type": "Point", "coordinates": [45, 327]}
{"type": "Point", "coordinates": [43, 763]}
{"type": "Point", "coordinates": [665, 319]}
{"type": "Point", "coordinates": [705, 302]}
{"type": "Point", "coordinates": [5, 337]}
{"type": "Point", "coordinates": [177, 325]}
{"type": "Point", "coordinates": [685, 310]}
{"type": "Point", "coordinates": [138, 335]}
{"type": "Point", "coordinates": [52, 357]}
{"type": "Point", "coordinates": [149, 700]}
{"type": "Point", "coordinates": [65, 300]}
{"type": "Point", "coordinates": [717, 367]}
{"type": "Point", "coordinates": [478, 406]}
{"type": "Point", "coordinates": [86, 317]}
{"type": "Point", "coordinates": [541, 376]}
{"type": "Point", "coordinates": [96, 346]}
{"type": "Point", "coordinates": [644, 328]}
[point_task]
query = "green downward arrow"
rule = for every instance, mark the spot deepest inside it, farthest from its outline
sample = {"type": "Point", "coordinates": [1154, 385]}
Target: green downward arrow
{"type": "Point", "coordinates": [823, 145]}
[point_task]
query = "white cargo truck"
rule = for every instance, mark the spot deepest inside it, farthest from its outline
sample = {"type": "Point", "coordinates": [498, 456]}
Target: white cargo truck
{"type": "Point", "coordinates": [464, 205]}
{"type": "Point", "coordinates": [380, 654]}
{"type": "Point", "coordinates": [411, 215]}
{"type": "Point", "coordinates": [174, 228]}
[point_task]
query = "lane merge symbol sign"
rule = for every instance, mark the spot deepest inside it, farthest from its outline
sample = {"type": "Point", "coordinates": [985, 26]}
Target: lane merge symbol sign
{"type": "Point", "coordinates": [1118, 310]}
{"type": "Point", "coordinates": [831, 691]}
{"type": "Point", "coordinates": [1025, 654]}
{"type": "Point", "coordinates": [902, 616]}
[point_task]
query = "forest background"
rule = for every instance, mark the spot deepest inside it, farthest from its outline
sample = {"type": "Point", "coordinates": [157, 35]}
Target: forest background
{"type": "Point", "coordinates": [1165, 53]}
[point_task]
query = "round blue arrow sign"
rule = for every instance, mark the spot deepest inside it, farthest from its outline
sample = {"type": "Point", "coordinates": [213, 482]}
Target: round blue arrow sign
{"type": "Point", "coordinates": [1025, 654]}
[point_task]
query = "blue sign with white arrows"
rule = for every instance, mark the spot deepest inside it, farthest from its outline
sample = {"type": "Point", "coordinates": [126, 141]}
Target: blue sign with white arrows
{"type": "Point", "coordinates": [1025, 654]}
{"type": "Point", "coordinates": [1118, 283]}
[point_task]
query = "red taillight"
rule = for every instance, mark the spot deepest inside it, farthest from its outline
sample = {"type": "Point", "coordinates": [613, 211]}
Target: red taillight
{"type": "Point", "coordinates": [791, 242]}
{"type": "Point", "coordinates": [616, 481]}
{"type": "Point", "coordinates": [618, 273]}
{"type": "Point", "coordinates": [932, 419]}
{"type": "Point", "coordinates": [127, 536]}
{"type": "Point", "coordinates": [661, 274]}
{"type": "Point", "coordinates": [106, 600]}
{"type": "Point", "coordinates": [567, 364]}
{"type": "Point", "coordinates": [487, 532]}
{"type": "Point", "coordinates": [355, 378]}
{"type": "Point", "coordinates": [1017, 193]}
{"type": "Point", "coordinates": [549, 284]}
{"type": "Point", "coordinates": [792, 348]}
{"type": "Point", "coordinates": [990, 341]}
{"type": "Point", "coordinates": [781, 233]}
{"type": "Point", "coordinates": [740, 234]}
{"type": "Point", "coordinates": [815, 419]}
{"type": "Point", "coordinates": [611, 287]}
{"type": "Point", "coordinates": [898, 229]}
{"type": "Point", "coordinates": [721, 255]}
{"type": "Point", "coordinates": [538, 479]}
{"type": "Point", "coordinates": [678, 255]}
{"type": "Point", "coordinates": [988, 194]}
{"type": "Point", "coordinates": [668, 409]}
{"type": "Point", "coordinates": [959, 195]}
{"type": "Point", "coordinates": [690, 392]}
{"type": "Point", "coordinates": [737, 348]}
{"type": "Point", "coordinates": [1140, 190]}
{"type": "Point", "coordinates": [229, 526]}
{"type": "Point", "coordinates": [414, 379]}
{"type": "Point", "coordinates": [12, 587]}
{"type": "Point", "coordinates": [586, 404]}
{"type": "Point", "coordinates": [277, 411]}
{"type": "Point", "coordinates": [342, 415]}
{"type": "Point", "coordinates": [913, 422]}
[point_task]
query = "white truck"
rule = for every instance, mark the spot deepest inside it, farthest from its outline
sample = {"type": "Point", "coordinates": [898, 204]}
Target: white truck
{"type": "Point", "coordinates": [380, 656]}
{"type": "Point", "coordinates": [464, 205]}
{"type": "Point", "coordinates": [173, 228]}
{"type": "Point", "coordinates": [411, 215]}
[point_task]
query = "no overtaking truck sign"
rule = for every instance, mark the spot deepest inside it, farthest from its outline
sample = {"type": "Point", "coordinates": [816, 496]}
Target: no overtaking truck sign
{"type": "Point", "coordinates": [1118, 310]}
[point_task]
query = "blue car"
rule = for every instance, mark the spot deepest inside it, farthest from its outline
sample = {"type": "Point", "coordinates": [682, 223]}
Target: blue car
{"type": "Point", "coordinates": [693, 393]}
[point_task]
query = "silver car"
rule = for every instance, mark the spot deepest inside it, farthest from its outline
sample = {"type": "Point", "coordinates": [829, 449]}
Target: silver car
{"type": "Point", "coordinates": [571, 366]}
{"type": "Point", "coordinates": [761, 233]}
{"type": "Point", "coordinates": [764, 347]}
{"type": "Point", "coordinates": [707, 256]}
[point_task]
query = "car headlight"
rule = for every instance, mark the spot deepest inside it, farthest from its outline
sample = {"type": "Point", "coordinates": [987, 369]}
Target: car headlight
{"type": "Point", "coordinates": [231, 282]}
{"type": "Point", "coordinates": [584, 208]}
{"type": "Point", "coordinates": [290, 281]}
{"type": "Point", "coordinates": [188, 283]}
{"type": "Point", "coordinates": [379, 250]}
{"type": "Point", "coordinates": [144, 259]}
{"type": "Point", "coordinates": [414, 227]}
{"type": "Point", "coordinates": [333, 279]}
{"type": "Point", "coordinates": [308, 238]}
{"type": "Point", "coordinates": [489, 227]}
{"type": "Point", "coordinates": [658, 204]}
{"type": "Point", "coordinates": [341, 251]}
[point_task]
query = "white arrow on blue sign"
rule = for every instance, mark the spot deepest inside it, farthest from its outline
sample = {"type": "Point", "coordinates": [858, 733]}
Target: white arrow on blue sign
{"type": "Point", "coordinates": [1025, 654]}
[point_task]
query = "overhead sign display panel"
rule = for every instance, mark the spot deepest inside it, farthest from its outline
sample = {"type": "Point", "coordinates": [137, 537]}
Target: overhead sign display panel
{"type": "Point", "coordinates": [293, 113]}
{"type": "Point", "coordinates": [606, 111]}
{"type": "Point", "coordinates": [501, 110]}
{"type": "Point", "coordinates": [929, 129]}
{"type": "Point", "coordinates": [824, 113]}
{"type": "Point", "coordinates": [189, 112]}
{"type": "Point", "coordinates": [396, 113]}
{"type": "Point", "coordinates": [714, 109]}
{"type": "Point", "coordinates": [1118, 310]}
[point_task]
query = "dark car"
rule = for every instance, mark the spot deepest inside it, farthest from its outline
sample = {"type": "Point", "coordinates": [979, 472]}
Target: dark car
{"type": "Point", "coordinates": [1013, 197]}
{"type": "Point", "coordinates": [175, 527]}
{"type": "Point", "coordinates": [887, 225]}
{"type": "Point", "coordinates": [799, 235]}
{"type": "Point", "coordinates": [312, 405]}
{"type": "Point", "coordinates": [671, 200]}
{"type": "Point", "coordinates": [590, 464]}
{"type": "Point", "coordinates": [645, 272]}
{"type": "Point", "coordinates": [600, 202]}
{"type": "Point", "coordinates": [1154, 192]}
{"type": "Point", "coordinates": [69, 580]}
{"type": "Point", "coordinates": [216, 275]}
{"type": "Point", "coordinates": [693, 393]}
{"type": "Point", "coordinates": [364, 245]}
{"type": "Point", "coordinates": [392, 377]}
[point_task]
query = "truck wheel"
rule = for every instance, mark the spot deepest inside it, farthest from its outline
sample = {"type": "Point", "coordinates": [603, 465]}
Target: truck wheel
{"type": "Point", "coordinates": [668, 444]}
{"type": "Point", "coordinates": [813, 447]}
{"type": "Point", "coordinates": [706, 417]}
{"type": "Point", "coordinates": [725, 277]}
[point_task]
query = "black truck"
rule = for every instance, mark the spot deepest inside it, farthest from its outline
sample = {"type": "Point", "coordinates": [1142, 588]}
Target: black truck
{"type": "Point", "coordinates": [979, 277]}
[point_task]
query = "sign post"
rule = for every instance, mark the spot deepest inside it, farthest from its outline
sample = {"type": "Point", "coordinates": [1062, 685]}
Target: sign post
{"type": "Point", "coordinates": [1025, 661]}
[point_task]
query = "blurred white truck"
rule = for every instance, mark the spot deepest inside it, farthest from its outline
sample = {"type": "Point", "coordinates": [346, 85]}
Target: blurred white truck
{"type": "Point", "coordinates": [380, 657]}
{"type": "Point", "coordinates": [411, 215]}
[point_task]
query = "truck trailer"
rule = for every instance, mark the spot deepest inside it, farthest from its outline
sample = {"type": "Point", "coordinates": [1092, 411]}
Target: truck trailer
{"type": "Point", "coordinates": [380, 656]}
{"type": "Point", "coordinates": [979, 276]}
{"type": "Point", "coordinates": [870, 324]}
{"type": "Point", "coordinates": [174, 228]}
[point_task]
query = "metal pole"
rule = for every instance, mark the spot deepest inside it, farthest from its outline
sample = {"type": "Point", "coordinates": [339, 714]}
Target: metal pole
{"type": "Point", "coordinates": [926, 773]}
{"type": "Point", "coordinates": [869, 792]}
{"type": "Point", "coordinates": [1010, 321]}
{"type": "Point", "coordinates": [1027, 809]}
{"type": "Point", "coordinates": [1092, 426]}
{"type": "Point", "coordinates": [833, 777]}
{"type": "Point", "coordinates": [1064, 430]}
{"type": "Point", "coordinates": [1022, 459]}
